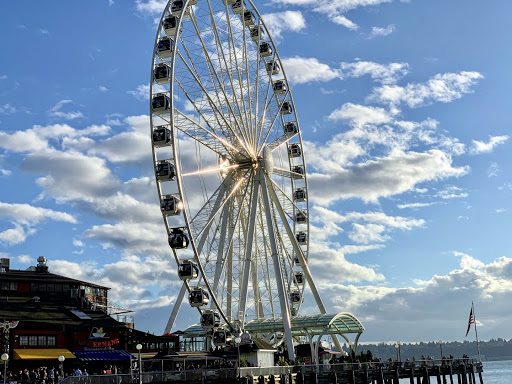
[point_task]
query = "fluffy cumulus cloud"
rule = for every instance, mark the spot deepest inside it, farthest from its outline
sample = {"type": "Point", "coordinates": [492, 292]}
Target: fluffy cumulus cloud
{"type": "Point", "coordinates": [24, 219]}
{"type": "Point", "coordinates": [444, 88]}
{"type": "Point", "coordinates": [439, 305]}
{"type": "Point", "coordinates": [485, 147]}
{"type": "Point", "coordinates": [56, 111]}
{"type": "Point", "coordinates": [384, 73]}
{"type": "Point", "coordinates": [383, 177]}
{"type": "Point", "coordinates": [300, 70]}
{"type": "Point", "coordinates": [280, 22]}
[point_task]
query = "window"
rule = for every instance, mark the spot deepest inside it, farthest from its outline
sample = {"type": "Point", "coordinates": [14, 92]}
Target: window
{"type": "Point", "coordinates": [42, 287]}
{"type": "Point", "coordinates": [65, 287]}
{"type": "Point", "coordinates": [32, 340]}
{"type": "Point", "coordinates": [5, 285]}
{"type": "Point", "coordinates": [58, 287]}
{"type": "Point", "coordinates": [41, 340]}
{"type": "Point", "coordinates": [14, 286]}
{"type": "Point", "coordinates": [23, 341]}
{"type": "Point", "coordinates": [51, 341]}
{"type": "Point", "coordinates": [34, 287]}
{"type": "Point", "coordinates": [50, 287]}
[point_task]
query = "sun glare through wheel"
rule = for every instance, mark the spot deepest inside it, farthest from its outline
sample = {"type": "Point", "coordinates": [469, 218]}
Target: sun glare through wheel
{"type": "Point", "coordinates": [230, 167]}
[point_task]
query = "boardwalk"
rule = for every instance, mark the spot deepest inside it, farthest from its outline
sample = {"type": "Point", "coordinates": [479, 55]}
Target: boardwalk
{"type": "Point", "coordinates": [457, 371]}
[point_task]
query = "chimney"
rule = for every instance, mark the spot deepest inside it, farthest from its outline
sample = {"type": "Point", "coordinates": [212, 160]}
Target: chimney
{"type": "Point", "coordinates": [5, 264]}
{"type": "Point", "coordinates": [41, 265]}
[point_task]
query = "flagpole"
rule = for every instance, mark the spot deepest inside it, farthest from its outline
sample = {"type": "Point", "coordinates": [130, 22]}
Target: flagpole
{"type": "Point", "coordinates": [476, 333]}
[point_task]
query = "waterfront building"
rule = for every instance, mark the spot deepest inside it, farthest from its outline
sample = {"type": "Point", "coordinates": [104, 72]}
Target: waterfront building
{"type": "Point", "coordinates": [45, 316]}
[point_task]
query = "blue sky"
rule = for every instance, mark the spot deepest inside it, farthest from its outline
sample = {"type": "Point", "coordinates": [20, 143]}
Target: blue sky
{"type": "Point", "coordinates": [405, 114]}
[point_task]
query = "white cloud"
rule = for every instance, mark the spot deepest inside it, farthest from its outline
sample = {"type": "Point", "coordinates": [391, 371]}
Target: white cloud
{"type": "Point", "coordinates": [141, 93]}
{"type": "Point", "coordinates": [102, 88]}
{"type": "Point", "coordinates": [25, 259]}
{"type": "Point", "coordinates": [445, 88]}
{"type": "Point", "coordinates": [151, 7]}
{"type": "Point", "coordinates": [383, 73]}
{"type": "Point", "coordinates": [482, 147]}
{"type": "Point", "coordinates": [300, 70]}
{"type": "Point", "coordinates": [3, 77]}
{"type": "Point", "coordinates": [280, 22]}
{"type": "Point", "coordinates": [342, 20]}
{"type": "Point", "coordinates": [452, 192]}
{"type": "Point", "coordinates": [44, 32]}
{"type": "Point", "coordinates": [78, 243]}
{"type": "Point", "coordinates": [7, 109]}
{"type": "Point", "coordinates": [56, 111]}
{"type": "Point", "coordinates": [360, 115]}
{"type": "Point", "coordinates": [383, 177]}
{"type": "Point", "coordinates": [493, 170]}
{"type": "Point", "coordinates": [415, 205]}
{"type": "Point", "coordinates": [379, 31]}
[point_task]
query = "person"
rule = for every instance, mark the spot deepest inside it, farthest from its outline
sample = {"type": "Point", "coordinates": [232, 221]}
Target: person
{"type": "Point", "coordinates": [78, 372]}
{"type": "Point", "coordinates": [51, 375]}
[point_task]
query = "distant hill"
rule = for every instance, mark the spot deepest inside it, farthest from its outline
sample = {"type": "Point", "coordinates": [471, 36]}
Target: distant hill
{"type": "Point", "coordinates": [499, 349]}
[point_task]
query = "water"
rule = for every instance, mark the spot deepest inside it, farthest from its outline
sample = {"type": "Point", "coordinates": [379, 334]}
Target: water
{"type": "Point", "coordinates": [497, 372]}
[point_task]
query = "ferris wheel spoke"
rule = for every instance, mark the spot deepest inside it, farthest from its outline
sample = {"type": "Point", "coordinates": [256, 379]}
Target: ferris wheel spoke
{"type": "Point", "coordinates": [228, 69]}
{"type": "Point", "coordinates": [218, 84]}
{"type": "Point", "coordinates": [203, 135]}
{"type": "Point", "coordinates": [219, 116]}
{"type": "Point", "coordinates": [287, 173]}
{"type": "Point", "coordinates": [277, 115]}
{"type": "Point", "coordinates": [297, 249]}
{"type": "Point", "coordinates": [287, 204]}
{"type": "Point", "coordinates": [280, 141]}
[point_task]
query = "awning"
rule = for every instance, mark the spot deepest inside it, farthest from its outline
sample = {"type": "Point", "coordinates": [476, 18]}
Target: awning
{"type": "Point", "coordinates": [103, 355]}
{"type": "Point", "coordinates": [42, 354]}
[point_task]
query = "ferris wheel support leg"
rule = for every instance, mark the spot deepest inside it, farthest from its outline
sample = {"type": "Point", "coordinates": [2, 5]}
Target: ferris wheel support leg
{"type": "Point", "coordinates": [176, 309]}
{"type": "Point", "coordinates": [297, 250]}
{"type": "Point", "coordinates": [336, 342]}
{"type": "Point", "coordinates": [248, 249]}
{"type": "Point", "coordinates": [285, 312]}
{"type": "Point", "coordinates": [219, 265]}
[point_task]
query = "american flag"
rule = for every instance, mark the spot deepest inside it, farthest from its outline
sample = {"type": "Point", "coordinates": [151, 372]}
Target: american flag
{"type": "Point", "coordinates": [471, 320]}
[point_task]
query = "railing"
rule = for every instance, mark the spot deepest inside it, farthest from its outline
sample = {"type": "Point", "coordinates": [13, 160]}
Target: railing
{"type": "Point", "coordinates": [211, 374]}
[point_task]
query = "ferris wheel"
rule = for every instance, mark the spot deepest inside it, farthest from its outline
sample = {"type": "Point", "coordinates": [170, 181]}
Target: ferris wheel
{"type": "Point", "coordinates": [230, 166]}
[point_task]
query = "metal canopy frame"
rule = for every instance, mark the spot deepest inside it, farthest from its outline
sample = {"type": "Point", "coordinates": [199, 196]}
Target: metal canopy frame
{"type": "Point", "coordinates": [341, 324]}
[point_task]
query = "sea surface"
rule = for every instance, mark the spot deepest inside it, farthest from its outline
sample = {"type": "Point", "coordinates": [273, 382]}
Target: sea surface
{"type": "Point", "coordinates": [495, 372]}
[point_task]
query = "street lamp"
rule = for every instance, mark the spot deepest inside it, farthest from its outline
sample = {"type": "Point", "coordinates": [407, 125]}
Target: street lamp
{"type": "Point", "coordinates": [238, 340]}
{"type": "Point", "coordinates": [61, 366]}
{"type": "Point", "coordinates": [441, 348]}
{"type": "Point", "coordinates": [398, 354]}
{"type": "Point", "coordinates": [4, 358]}
{"type": "Point", "coordinates": [139, 347]}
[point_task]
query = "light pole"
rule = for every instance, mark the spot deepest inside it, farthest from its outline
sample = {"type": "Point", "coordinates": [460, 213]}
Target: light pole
{"type": "Point", "coordinates": [441, 348]}
{"type": "Point", "coordinates": [61, 366]}
{"type": "Point", "coordinates": [398, 354]}
{"type": "Point", "coordinates": [139, 347]}
{"type": "Point", "coordinates": [238, 340]}
{"type": "Point", "coordinates": [4, 358]}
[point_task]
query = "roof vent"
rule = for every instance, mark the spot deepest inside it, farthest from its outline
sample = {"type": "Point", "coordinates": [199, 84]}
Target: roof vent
{"type": "Point", "coordinates": [41, 265]}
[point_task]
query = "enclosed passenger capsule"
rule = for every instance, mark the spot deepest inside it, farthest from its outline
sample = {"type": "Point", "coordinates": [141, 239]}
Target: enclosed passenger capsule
{"type": "Point", "coordinates": [178, 239]}
{"type": "Point", "coordinates": [295, 297]}
{"type": "Point", "coordinates": [238, 7]}
{"type": "Point", "coordinates": [188, 270]}
{"type": "Point", "coordinates": [161, 103]}
{"type": "Point", "coordinates": [299, 194]}
{"type": "Point", "coordinates": [290, 128]}
{"type": "Point", "coordinates": [300, 218]}
{"type": "Point", "coordinates": [294, 150]}
{"type": "Point", "coordinates": [162, 136]}
{"type": "Point", "coordinates": [164, 47]}
{"type": "Point", "coordinates": [221, 337]}
{"type": "Point", "coordinates": [210, 320]}
{"type": "Point", "coordinates": [249, 18]}
{"type": "Point", "coordinates": [265, 49]}
{"type": "Point", "coordinates": [165, 170]}
{"type": "Point", "coordinates": [170, 25]}
{"type": "Point", "coordinates": [302, 237]}
{"type": "Point", "coordinates": [279, 87]}
{"type": "Point", "coordinates": [286, 108]}
{"type": "Point", "coordinates": [161, 73]}
{"type": "Point", "coordinates": [298, 277]}
{"type": "Point", "coordinates": [272, 67]}
{"type": "Point", "coordinates": [177, 7]}
{"type": "Point", "coordinates": [257, 33]}
{"type": "Point", "coordinates": [198, 297]}
{"type": "Point", "coordinates": [171, 205]}
{"type": "Point", "coordinates": [299, 171]}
